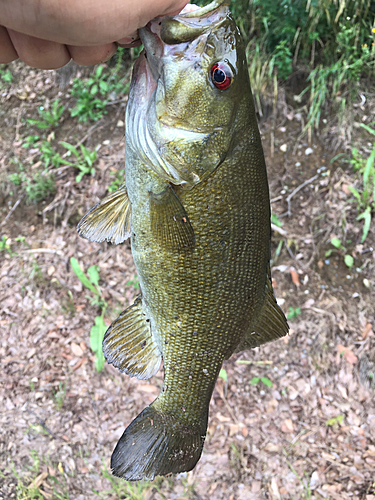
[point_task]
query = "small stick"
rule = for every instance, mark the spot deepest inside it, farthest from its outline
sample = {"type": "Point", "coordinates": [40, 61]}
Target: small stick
{"type": "Point", "coordinates": [12, 210]}
{"type": "Point", "coordinates": [301, 186]}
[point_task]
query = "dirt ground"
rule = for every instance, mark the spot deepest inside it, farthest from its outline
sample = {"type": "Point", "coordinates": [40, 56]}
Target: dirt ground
{"type": "Point", "coordinates": [306, 432]}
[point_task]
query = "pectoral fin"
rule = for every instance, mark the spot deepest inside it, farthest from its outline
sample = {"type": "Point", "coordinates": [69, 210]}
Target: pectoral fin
{"type": "Point", "coordinates": [109, 220]}
{"type": "Point", "coordinates": [170, 222]}
{"type": "Point", "coordinates": [129, 344]}
{"type": "Point", "coordinates": [271, 323]}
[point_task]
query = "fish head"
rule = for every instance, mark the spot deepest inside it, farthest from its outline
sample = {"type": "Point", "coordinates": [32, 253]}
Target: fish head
{"type": "Point", "coordinates": [193, 71]}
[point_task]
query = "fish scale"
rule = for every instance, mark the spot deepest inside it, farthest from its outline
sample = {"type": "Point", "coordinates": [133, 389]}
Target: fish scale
{"type": "Point", "coordinates": [196, 206]}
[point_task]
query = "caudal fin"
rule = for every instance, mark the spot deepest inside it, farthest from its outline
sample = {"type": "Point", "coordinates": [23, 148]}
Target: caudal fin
{"type": "Point", "coordinates": [156, 444]}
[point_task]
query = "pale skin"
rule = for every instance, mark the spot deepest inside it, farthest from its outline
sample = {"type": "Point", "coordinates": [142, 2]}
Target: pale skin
{"type": "Point", "coordinates": [47, 34]}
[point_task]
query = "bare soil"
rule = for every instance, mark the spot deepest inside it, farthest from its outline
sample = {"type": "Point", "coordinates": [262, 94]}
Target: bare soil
{"type": "Point", "coordinates": [311, 435]}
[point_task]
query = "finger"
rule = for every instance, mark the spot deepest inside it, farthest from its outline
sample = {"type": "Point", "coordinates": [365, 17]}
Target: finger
{"type": "Point", "coordinates": [7, 51]}
{"type": "Point", "coordinates": [39, 53]}
{"type": "Point", "coordinates": [89, 56]}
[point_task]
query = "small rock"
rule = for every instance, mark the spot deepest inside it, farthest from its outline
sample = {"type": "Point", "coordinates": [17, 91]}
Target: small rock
{"type": "Point", "coordinates": [284, 148]}
{"type": "Point", "coordinates": [314, 481]}
{"type": "Point", "coordinates": [120, 124]}
{"type": "Point", "coordinates": [309, 151]}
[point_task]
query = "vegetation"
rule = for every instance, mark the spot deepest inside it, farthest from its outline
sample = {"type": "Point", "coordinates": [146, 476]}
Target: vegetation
{"type": "Point", "coordinates": [98, 329]}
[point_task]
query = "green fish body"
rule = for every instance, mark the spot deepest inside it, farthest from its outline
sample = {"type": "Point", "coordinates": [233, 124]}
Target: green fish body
{"type": "Point", "coordinates": [196, 206]}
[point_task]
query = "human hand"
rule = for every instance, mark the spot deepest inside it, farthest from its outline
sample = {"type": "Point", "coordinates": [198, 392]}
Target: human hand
{"type": "Point", "coordinates": [46, 34]}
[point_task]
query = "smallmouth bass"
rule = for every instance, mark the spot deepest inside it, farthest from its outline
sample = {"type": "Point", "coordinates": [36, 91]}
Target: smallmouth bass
{"type": "Point", "coordinates": [195, 204]}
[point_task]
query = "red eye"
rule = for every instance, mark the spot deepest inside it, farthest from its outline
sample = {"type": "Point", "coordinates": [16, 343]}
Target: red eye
{"type": "Point", "coordinates": [221, 75]}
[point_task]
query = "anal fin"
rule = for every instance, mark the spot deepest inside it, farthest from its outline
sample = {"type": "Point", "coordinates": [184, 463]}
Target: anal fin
{"type": "Point", "coordinates": [271, 323]}
{"type": "Point", "coordinates": [170, 222]}
{"type": "Point", "coordinates": [129, 345]}
{"type": "Point", "coordinates": [109, 220]}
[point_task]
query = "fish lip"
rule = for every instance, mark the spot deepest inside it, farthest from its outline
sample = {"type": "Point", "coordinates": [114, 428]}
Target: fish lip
{"type": "Point", "coordinates": [154, 49]}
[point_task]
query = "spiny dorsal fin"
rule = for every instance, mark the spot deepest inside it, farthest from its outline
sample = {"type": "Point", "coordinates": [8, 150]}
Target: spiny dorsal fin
{"type": "Point", "coordinates": [271, 323]}
{"type": "Point", "coordinates": [129, 344]}
{"type": "Point", "coordinates": [169, 221]}
{"type": "Point", "coordinates": [109, 220]}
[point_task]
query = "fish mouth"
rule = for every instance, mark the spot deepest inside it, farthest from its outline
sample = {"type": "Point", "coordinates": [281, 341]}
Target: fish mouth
{"type": "Point", "coordinates": [185, 27]}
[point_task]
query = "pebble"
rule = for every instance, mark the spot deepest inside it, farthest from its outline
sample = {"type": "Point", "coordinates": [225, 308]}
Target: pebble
{"type": "Point", "coordinates": [284, 148]}
{"type": "Point", "coordinates": [309, 151]}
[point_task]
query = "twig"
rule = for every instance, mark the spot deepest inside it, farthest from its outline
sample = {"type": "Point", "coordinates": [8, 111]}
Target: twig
{"type": "Point", "coordinates": [12, 210]}
{"type": "Point", "coordinates": [278, 229]}
{"type": "Point", "coordinates": [42, 423]}
{"type": "Point", "coordinates": [293, 193]}
{"type": "Point", "coordinates": [44, 250]}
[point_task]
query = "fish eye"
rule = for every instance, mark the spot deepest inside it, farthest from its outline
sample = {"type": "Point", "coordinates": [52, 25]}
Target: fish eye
{"type": "Point", "coordinates": [221, 75]}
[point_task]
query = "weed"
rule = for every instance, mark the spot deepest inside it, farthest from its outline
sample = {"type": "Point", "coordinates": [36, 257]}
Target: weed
{"type": "Point", "coordinates": [48, 117]}
{"type": "Point", "coordinates": [37, 187]}
{"type": "Point", "coordinates": [5, 245]}
{"type": "Point", "coordinates": [293, 313]}
{"type": "Point", "coordinates": [125, 489]}
{"type": "Point", "coordinates": [307, 494]}
{"type": "Point", "coordinates": [5, 75]}
{"type": "Point", "coordinates": [84, 159]}
{"type": "Point", "coordinates": [32, 484]}
{"type": "Point", "coordinates": [335, 421]}
{"type": "Point", "coordinates": [223, 375]}
{"type": "Point", "coordinates": [348, 259]}
{"type": "Point", "coordinates": [93, 94]}
{"type": "Point", "coordinates": [134, 282]}
{"type": "Point", "coordinates": [365, 196]}
{"type": "Point", "coordinates": [99, 328]}
{"type": "Point", "coordinates": [266, 381]}
{"type": "Point", "coordinates": [117, 181]}
{"type": "Point", "coordinates": [59, 395]}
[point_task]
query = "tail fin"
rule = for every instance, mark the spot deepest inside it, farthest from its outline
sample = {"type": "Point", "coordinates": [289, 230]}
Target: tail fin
{"type": "Point", "coordinates": [156, 444]}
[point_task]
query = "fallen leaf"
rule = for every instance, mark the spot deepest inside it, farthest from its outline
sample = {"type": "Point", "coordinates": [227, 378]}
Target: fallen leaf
{"type": "Point", "coordinates": [76, 349]}
{"type": "Point", "coordinates": [38, 480]}
{"type": "Point", "coordinates": [295, 277]}
{"type": "Point", "coordinates": [287, 426]}
{"type": "Point", "coordinates": [348, 354]}
{"type": "Point", "coordinates": [367, 332]}
{"type": "Point", "coordinates": [147, 388]}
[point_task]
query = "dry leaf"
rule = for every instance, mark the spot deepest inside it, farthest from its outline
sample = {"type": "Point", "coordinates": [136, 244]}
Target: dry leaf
{"type": "Point", "coordinates": [38, 480]}
{"type": "Point", "coordinates": [287, 426]}
{"type": "Point", "coordinates": [348, 354]}
{"type": "Point", "coordinates": [147, 388]}
{"type": "Point", "coordinates": [76, 349]}
{"type": "Point", "coordinates": [295, 277]}
{"type": "Point", "coordinates": [367, 332]}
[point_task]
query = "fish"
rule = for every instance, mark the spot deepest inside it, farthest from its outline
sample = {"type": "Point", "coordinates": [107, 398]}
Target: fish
{"type": "Point", "coordinates": [195, 205]}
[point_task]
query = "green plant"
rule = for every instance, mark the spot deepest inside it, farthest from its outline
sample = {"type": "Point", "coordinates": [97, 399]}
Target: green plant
{"type": "Point", "coordinates": [335, 421]}
{"type": "Point", "coordinates": [59, 395]}
{"type": "Point", "coordinates": [307, 494]}
{"type": "Point", "coordinates": [84, 160]}
{"type": "Point", "coordinates": [266, 381]}
{"type": "Point", "coordinates": [5, 74]}
{"type": "Point", "coordinates": [48, 117]}
{"type": "Point", "coordinates": [133, 282]}
{"type": "Point", "coordinates": [293, 313]}
{"type": "Point", "coordinates": [5, 245]}
{"type": "Point", "coordinates": [283, 59]}
{"type": "Point", "coordinates": [99, 328]}
{"type": "Point", "coordinates": [123, 489]}
{"type": "Point", "coordinates": [93, 94]}
{"type": "Point", "coordinates": [117, 181]}
{"type": "Point", "coordinates": [348, 259]}
{"type": "Point", "coordinates": [365, 196]}
{"type": "Point", "coordinates": [223, 375]}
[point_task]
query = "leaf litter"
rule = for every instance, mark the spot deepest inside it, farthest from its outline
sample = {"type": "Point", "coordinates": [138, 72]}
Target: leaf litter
{"type": "Point", "coordinates": [306, 427]}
